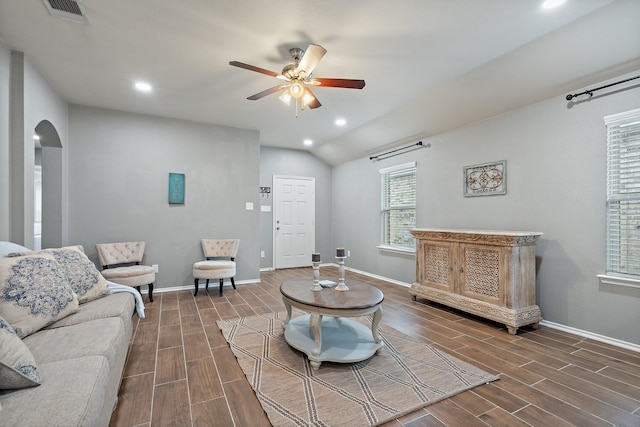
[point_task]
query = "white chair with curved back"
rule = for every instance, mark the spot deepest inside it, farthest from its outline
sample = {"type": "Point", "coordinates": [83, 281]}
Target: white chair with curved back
{"type": "Point", "coordinates": [220, 255]}
{"type": "Point", "coordinates": [121, 264]}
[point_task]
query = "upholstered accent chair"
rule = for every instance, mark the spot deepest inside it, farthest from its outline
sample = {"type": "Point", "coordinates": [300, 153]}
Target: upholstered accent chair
{"type": "Point", "coordinates": [220, 255]}
{"type": "Point", "coordinates": [121, 264]}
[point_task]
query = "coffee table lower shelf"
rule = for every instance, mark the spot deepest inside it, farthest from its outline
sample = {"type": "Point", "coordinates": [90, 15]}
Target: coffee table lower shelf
{"type": "Point", "coordinates": [342, 340]}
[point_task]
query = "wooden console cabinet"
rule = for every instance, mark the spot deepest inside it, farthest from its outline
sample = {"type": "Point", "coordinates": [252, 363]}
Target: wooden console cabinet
{"type": "Point", "coordinates": [487, 273]}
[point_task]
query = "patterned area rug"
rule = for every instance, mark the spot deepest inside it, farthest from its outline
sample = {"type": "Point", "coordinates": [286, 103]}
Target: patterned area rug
{"type": "Point", "coordinates": [403, 377]}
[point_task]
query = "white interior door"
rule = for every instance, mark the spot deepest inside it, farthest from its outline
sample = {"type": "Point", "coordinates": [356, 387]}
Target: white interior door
{"type": "Point", "coordinates": [294, 220]}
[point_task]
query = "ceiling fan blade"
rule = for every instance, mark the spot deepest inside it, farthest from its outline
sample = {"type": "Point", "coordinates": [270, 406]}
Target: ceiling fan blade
{"type": "Point", "coordinates": [345, 83]}
{"type": "Point", "coordinates": [254, 68]}
{"type": "Point", "coordinates": [266, 92]}
{"type": "Point", "coordinates": [310, 59]}
{"type": "Point", "coordinates": [314, 103]}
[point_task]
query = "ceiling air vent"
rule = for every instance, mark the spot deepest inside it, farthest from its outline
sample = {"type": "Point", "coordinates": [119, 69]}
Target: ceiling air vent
{"type": "Point", "coordinates": [67, 9]}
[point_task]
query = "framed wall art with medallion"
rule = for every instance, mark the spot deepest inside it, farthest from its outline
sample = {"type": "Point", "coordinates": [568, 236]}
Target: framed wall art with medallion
{"type": "Point", "coordinates": [486, 179]}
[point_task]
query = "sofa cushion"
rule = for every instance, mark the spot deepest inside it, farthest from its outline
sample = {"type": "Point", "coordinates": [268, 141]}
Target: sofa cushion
{"type": "Point", "coordinates": [114, 305]}
{"type": "Point", "coordinates": [17, 366]}
{"type": "Point", "coordinates": [34, 292]}
{"type": "Point", "coordinates": [74, 392]}
{"type": "Point", "coordinates": [84, 278]}
{"type": "Point", "coordinates": [103, 337]}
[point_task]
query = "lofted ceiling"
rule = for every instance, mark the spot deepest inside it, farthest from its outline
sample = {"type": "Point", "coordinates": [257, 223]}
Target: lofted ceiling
{"type": "Point", "coordinates": [429, 65]}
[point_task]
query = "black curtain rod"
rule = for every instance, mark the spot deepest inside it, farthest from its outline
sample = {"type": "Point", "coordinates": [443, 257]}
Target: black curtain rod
{"type": "Point", "coordinates": [590, 91]}
{"type": "Point", "coordinates": [418, 144]}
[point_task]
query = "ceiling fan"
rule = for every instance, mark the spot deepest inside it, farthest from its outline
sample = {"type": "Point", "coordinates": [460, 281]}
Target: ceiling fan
{"type": "Point", "coordinates": [297, 77]}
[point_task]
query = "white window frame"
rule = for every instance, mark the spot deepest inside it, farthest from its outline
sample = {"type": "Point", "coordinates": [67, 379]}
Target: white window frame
{"type": "Point", "coordinates": [384, 245]}
{"type": "Point", "coordinates": [614, 256]}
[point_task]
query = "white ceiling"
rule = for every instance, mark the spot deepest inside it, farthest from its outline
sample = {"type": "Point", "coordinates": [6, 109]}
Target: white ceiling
{"type": "Point", "coordinates": [429, 65]}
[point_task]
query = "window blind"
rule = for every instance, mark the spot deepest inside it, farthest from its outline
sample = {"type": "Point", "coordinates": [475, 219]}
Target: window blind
{"type": "Point", "coordinates": [398, 214]}
{"type": "Point", "coordinates": [623, 193]}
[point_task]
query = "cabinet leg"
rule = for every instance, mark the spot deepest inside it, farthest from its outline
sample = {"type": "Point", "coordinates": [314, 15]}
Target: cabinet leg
{"type": "Point", "coordinates": [512, 329]}
{"type": "Point", "coordinates": [413, 297]}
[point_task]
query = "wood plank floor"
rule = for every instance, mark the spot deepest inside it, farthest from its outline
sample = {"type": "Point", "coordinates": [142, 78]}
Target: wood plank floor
{"type": "Point", "coordinates": [181, 372]}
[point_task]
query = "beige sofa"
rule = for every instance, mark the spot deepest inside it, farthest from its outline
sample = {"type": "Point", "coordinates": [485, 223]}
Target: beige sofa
{"type": "Point", "coordinates": [78, 360]}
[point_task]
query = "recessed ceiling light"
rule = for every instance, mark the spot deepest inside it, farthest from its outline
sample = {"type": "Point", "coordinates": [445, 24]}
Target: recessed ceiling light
{"type": "Point", "coordinates": [308, 142]}
{"type": "Point", "coordinates": [550, 4]}
{"type": "Point", "coordinates": [341, 122]}
{"type": "Point", "coordinates": [143, 86]}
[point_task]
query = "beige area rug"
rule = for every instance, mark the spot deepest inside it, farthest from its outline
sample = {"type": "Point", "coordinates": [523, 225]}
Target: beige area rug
{"type": "Point", "coordinates": [403, 377]}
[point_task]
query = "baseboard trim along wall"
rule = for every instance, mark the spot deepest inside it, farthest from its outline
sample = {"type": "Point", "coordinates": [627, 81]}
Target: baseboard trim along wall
{"type": "Point", "coordinates": [552, 325]}
{"type": "Point", "coordinates": [591, 335]}
{"type": "Point", "coordinates": [213, 284]}
{"type": "Point", "coordinates": [586, 334]}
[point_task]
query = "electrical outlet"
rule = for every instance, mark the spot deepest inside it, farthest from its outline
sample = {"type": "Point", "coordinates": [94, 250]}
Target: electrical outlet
{"type": "Point", "coordinates": [348, 254]}
{"type": "Point", "coordinates": [261, 254]}
{"type": "Point", "coordinates": [155, 267]}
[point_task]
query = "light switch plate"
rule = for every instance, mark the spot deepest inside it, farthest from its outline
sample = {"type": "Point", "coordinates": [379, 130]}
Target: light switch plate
{"type": "Point", "coordinates": [265, 208]}
{"type": "Point", "coordinates": [249, 206]}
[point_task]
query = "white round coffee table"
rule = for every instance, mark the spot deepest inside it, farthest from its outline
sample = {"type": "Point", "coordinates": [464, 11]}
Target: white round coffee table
{"type": "Point", "coordinates": [332, 338]}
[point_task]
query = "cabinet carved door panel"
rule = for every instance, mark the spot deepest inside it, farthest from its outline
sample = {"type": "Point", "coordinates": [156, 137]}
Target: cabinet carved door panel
{"type": "Point", "coordinates": [440, 259]}
{"type": "Point", "coordinates": [480, 273]}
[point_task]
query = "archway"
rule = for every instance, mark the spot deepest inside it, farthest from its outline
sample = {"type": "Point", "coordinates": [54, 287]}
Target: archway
{"type": "Point", "coordinates": [48, 167]}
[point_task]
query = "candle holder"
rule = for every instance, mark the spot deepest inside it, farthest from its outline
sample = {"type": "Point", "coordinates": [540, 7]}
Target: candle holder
{"type": "Point", "coordinates": [316, 276]}
{"type": "Point", "coordinates": [341, 285]}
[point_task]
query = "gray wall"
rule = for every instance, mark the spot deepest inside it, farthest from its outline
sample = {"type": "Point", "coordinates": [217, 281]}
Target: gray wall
{"type": "Point", "coordinates": [119, 165]}
{"type": "Point", "coordinates": [5, 186]}
{"type": "Point", "coordinates": [26, 100]}
{"type": "Point", "coordinates": [279, 161]}
{"type": "Point", "coordinates": [556, 165]}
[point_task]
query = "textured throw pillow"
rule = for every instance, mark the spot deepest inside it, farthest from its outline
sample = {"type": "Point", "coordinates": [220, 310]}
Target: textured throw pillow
{"type": "Point", "coordinates": [84, 278]}
{"type": "Point", "coordinates": [34, 292]}
{"type": "Point", "coordinates": [17, 366]}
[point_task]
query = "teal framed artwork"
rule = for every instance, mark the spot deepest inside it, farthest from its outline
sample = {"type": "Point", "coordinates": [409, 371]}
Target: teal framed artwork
{"type": "Point", "coordinates": [176, 188]}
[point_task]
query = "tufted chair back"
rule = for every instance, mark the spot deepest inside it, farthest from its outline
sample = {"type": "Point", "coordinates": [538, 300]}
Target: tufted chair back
{"type": "Point", "coordinates": [120, 253]}
{"type": "Point", "coordinates": [220, 247]}
{"type": "Point", "coordinates": [121, 264]}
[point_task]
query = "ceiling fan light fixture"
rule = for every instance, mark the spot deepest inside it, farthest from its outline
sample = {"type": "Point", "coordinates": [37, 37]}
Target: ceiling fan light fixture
{"type": "Point", "coordinates": [307, 98]}
{"type": "Point", "coordinates": [285, 97]}
{"type": "Point", "coordinates": [296, 90]}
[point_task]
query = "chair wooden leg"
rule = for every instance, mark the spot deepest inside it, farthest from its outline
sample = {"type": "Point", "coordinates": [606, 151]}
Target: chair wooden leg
{"type": "Point", "coordinates": [206, 288]}
{"type": "Point", "coordinates": [151, 292]}
{"type": "Point", "coordinates": [138, 288]}
{"type": "Point", "coordinates": [195, 283]}
{"type": "Point", "coordinates": [221, 283]}
{"type": "Point", "coordinates": [233, 283]}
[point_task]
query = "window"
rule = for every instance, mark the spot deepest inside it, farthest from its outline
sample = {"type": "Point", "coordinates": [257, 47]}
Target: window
{"type": "Point", "coordinates": [623, 194]}
{"type": "Point", "coordinates": [398, 213]}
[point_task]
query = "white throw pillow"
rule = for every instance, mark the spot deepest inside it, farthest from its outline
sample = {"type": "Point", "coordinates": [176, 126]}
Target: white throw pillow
{"type": "Point", "coordinates": [34, 292]}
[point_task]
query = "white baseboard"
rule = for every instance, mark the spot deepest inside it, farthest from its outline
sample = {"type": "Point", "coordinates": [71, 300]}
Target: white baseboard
{"type": "Point", "coordinates": [190, 287]}
{"type": "Point", "coordinates": [375, 276]}
{"type": "Point", "coordinates": [586, 334]}
{"type": "Point", "coordinates": [596, 337]}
